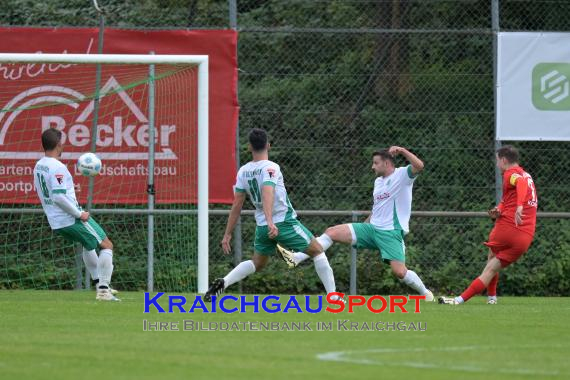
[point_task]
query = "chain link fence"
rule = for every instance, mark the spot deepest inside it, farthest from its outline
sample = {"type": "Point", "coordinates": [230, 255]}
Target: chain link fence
{"type": "Point", "coordinates": [333, 81]}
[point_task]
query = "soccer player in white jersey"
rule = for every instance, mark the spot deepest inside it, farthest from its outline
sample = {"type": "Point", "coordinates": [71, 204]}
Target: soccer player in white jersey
{"type": "Point", "coordinates": [275, 217]}
{"type": "Point", "coordinates": [56, 191]}
{"type": "Point", "coordinates": [386, 226]}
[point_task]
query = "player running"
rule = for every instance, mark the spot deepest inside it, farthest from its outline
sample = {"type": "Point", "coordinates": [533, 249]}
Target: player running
{"type": "Point", "coordinates": [276, 219]}
{"type": "Point", "coordinates": [56, 191]}
{"type": "Point", "coordinates": [385, 228]}
{"type": "Point", "coordinates": [515, 222]}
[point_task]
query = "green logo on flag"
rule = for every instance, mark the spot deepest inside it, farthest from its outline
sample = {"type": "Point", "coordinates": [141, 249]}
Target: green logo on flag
{"type": "Point", "coordinates": [551, 86]}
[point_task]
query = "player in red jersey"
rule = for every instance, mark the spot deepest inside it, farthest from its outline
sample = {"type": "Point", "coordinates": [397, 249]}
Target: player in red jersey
{"type": "Point", "coordinates": [515, 222]}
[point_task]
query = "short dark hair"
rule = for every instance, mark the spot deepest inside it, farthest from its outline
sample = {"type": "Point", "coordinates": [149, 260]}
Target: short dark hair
{"type": "Point", "coordinates": [385, 155]}
{"type": "Point", "coordinates": [510, 153]}
{"type": "Point", "coordinates": [50, 138]}
{"type": "Point", "coordinates": [258, 139]}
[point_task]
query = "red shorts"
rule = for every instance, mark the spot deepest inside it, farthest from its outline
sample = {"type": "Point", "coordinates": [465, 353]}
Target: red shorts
{"type": "Point", "coordinates": [508, 244]}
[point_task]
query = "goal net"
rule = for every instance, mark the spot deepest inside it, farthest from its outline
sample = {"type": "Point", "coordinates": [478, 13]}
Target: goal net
{"type": "Point", "coordinates": [151, 199]}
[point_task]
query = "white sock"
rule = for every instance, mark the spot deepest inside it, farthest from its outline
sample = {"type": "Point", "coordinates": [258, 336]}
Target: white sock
{"type": "Point", "coordinates": [244, 269]}
{"type": "Point", "coordinates": [299, 257]}
{"type": "Point", "coordinates": [325, 241]}
{"type": "Point", "coordinates": [325, 272]}
{"type": "Point", "coordinates": [105, 267]}
{"type": "Point", "coordinates": [413, 281]}
{"type": "Point", "coordinates": [91, 260]}
{"type": "Point", "coordinates": [459, 299]}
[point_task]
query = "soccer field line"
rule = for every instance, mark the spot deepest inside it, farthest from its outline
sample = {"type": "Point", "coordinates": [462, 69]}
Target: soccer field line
{"type": "Point", "coordinates": [346, 357]}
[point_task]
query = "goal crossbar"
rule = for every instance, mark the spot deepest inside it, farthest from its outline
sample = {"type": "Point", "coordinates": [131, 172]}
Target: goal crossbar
{"type": "Point", "coordinates": [104, 58]}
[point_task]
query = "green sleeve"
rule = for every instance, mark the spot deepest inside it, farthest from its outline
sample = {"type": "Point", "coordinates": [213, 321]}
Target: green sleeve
{"type": "Point", "coordinates": [410, 173]}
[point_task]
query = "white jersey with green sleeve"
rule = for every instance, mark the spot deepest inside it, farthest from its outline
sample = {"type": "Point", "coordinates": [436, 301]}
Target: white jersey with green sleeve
{"type": "Point", "coordinates": [52, 177]}
{"type": "Point", "coordinates": [252, 177]}
{"type": "Point", "coordinates": [392, 205]}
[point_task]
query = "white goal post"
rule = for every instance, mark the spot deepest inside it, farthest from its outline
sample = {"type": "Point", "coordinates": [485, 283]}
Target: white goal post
{"type": "Point", "coordinates": [201, 61]}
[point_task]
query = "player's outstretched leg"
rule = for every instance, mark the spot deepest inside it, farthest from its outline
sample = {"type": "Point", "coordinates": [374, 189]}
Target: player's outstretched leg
{"type": "Point", "coordinates": [288, 256]}
{"type": "Point", "coordinates": [216, 288]}
{"type": "Point", "coordinates": [340, 233]}
{"type": "Point", "coordinates": [492, 287]}
{"type": "Point", "coordinates": [241, 271]}
{"type": "Point", "coordinates": [478, 285]}
{"type": "Point", "coordinates": [322, 267]}
{"type": "Point", "coordinates": [447, 301]}
{"type": "Point", "coordinates": [320, 260]}
{"type": "Point", "coordinates": [411, 278]}
{"type": "Point", "coordinates": [105, 271]}
{"type": "Point", "coordinates": [325, 272]}
{"type": "Point", "coordinates": [492, 290]}
{"type": "Point", "coordinates": [293, 259]}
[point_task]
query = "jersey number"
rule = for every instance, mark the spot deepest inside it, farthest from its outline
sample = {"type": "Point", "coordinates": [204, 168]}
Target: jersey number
{"type": "Point", "coordinates": [532, 189]}
{"type": "Point", "coordinates": [43, 185]}
{"type": "Point", "coordinates": [254, 190]}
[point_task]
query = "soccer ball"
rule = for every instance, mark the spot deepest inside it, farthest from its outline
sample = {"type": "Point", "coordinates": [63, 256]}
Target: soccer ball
{"type": "Point", "coordinates": [89, 164]}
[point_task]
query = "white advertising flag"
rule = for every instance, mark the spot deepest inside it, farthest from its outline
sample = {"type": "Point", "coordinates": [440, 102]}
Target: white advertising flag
{"type": "Point", "coordinates": [533, 86]}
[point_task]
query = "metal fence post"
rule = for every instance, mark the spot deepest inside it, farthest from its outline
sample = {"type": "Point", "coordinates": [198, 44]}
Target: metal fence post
{"type": "Point", "coordinates": [91, 185]}
{"type": "Point", "coordinates": [150, 188]}
{"type": "Point", "coordinates": [353, 259]}
{"type": "Point", "coordinates": [495, 25]}
{"type": "Point", "coordinates": [237, 235]}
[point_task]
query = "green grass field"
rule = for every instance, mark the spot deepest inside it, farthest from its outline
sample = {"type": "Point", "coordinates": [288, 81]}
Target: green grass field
{"type": "Point", "coordinates": [68, 335]}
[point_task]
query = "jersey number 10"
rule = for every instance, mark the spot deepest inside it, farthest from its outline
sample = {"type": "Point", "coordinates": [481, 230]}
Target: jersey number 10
{"type": "Point", "coordinates": [254, 190]}
{"type": "Point", "coordinates": [43, 185]}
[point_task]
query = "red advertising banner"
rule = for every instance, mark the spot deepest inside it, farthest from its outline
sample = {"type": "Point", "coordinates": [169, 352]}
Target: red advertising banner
{"type": "Point", "coordinates": [34, 97]}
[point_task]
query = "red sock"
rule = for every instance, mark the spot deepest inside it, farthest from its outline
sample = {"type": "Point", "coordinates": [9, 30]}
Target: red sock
{"type": "Point", "coordinates": [492, 288]}
{"type": "Point", "coordinates": [476, 287]}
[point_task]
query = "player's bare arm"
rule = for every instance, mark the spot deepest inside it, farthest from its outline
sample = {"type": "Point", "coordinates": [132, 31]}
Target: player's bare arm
{"type": "Point", "coordinates": [268, 195]}
{"type": "Point", "coordinates": [417, 164]}
{"type": "Point", "coordinates": [519, 215]}
{"type": "Point", "coordinates": [237, 205]}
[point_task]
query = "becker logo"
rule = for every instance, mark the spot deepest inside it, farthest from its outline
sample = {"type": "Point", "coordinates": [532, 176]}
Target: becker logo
{"type": "Point", "coordinates": [123, 139]}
